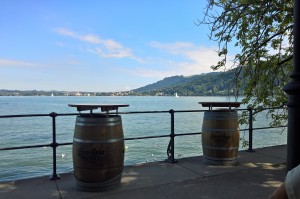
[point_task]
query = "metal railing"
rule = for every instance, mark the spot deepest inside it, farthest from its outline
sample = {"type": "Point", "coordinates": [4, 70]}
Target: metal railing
{"type": "Point", "coordinates": [172, 135]}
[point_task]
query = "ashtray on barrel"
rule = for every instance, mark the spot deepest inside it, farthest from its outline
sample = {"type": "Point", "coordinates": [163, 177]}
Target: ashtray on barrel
{"type": "Point", "coordinates": [220, 133]}
{"type": "Point", "coordinates": [98, 147]}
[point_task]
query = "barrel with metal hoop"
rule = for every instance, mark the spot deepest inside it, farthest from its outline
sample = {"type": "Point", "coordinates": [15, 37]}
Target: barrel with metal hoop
{"type": "Point", "coordinates": [98, 148]}
{"type": "Point", "coordinates": [220, 133]}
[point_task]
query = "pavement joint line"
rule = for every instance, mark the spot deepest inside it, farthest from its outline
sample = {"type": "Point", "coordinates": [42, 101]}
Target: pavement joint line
{"type": "Point", "coordinates": [58, 189]}
{"type": "Point", "coordinates": [190, 170]}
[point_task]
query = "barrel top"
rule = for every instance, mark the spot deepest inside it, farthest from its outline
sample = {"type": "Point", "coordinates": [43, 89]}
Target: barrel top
{"type": "Point", "coordinates": [220, 104]}
{"type": "Point", "coordinates": [104, 107]}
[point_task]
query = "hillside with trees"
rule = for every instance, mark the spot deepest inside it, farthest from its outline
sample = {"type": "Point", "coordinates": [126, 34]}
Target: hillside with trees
{"type": "Point", "coordinates": [210, 84]}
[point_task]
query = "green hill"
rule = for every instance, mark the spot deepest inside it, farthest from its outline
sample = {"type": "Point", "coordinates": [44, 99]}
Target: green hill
{"type": "Point", "coordinates": [215, 83]}
{"type": "Point", "coordinates": [166, 83]}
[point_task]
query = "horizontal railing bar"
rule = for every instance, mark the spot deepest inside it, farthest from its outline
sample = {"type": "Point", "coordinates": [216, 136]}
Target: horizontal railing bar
{"type": "Point", "coordinates": [137, 112]}
{"type": "Point", "coordinates": [147, 137]}
{"type": "Point", "coordinates": [66, 143]}
{"type": "Point", "coordinates": [29, 115]}
{"type": "Point", "coordinates": [39, 115]}
{"type": "Point", "coordinates": [189, 111]}
{"type": "Point", "coordinates": [25, 147]}
{"type": "Point", "coordinates": [67, 114]}
{"type": "Point", "coordinates": [182, 134]}
{"type": "Point", "coordinates": [262, 128]}
{"type": "Point", "coordinates": [35, 146]}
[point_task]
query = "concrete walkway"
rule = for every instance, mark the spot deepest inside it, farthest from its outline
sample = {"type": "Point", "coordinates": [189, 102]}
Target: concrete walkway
{"type": "Point", "coordinates": [256, 176]}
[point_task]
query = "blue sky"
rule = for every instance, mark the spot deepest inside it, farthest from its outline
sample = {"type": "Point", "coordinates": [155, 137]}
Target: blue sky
{"type": "Point", "coordinates": [101, 45]}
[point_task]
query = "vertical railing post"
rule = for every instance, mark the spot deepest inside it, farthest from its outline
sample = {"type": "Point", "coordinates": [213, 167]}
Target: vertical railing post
{"type": "Point", "coordinates": [293, 91]}
{"type": "Point", "coordinates": [250, 148]}
{"type": "Point", "coordinates": [54, 144]}
{"type": "Point", "coordinates": [171, 146]}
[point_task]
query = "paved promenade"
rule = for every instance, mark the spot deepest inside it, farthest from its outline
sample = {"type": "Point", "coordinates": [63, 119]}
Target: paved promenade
{"type": "Point", "coordinates": [256, 176]}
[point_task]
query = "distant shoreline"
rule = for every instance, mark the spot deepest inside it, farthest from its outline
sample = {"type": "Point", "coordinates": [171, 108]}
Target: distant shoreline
{"type": "Point", "coordinates": [53, 93]}
{"type": "Point", "coordinates": [59, 93]}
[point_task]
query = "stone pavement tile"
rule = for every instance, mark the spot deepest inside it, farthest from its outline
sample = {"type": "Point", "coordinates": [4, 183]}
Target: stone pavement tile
{"type": "Point", "coordinates": [262, 157]}
{"type": "Point", "coordinates": [154, 174]}
{"type": "Point", "coordinates": [34, 188]}
{"type": "Point", "coordinates": [246, 160]}
{"type": "Point", "coordinates": [198, 165]}
{"type": "Point", "coordinates": [278, 151]}
{"type": "Point", "coordinates": [254, 183]}
{"type": "Point", "coordinates": [67, 188]}
{"type": "Point", "coordinates": [134, 177]}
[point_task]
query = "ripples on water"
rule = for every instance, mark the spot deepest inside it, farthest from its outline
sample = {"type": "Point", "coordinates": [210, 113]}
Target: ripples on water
{"type": "Point", "coordinates": [25, 163]}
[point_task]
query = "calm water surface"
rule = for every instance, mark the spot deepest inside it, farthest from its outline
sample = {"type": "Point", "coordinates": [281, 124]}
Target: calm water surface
{"type": "Point", "coordinates": [26, 163]}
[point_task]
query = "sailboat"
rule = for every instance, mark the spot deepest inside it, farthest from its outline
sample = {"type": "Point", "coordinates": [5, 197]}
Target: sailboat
{"type": "Point", "coordinates": [176, 95]}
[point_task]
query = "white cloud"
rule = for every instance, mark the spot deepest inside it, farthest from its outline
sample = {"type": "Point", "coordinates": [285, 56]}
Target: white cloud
{"type": "Point", "coordinates": [93, 39]}
{"type": "Point", "coordinates": [65, 32]}
{"type": "Point", "coordinates": [16, 63]}
{"type": "Point", "coordinates": [195, 59]}
{"type": "Point", "coordinates": [110, 44]}
{"type": "Point", "coordinates": [112, 52]}
{"type": "Point", "coordinates": [106, 48]}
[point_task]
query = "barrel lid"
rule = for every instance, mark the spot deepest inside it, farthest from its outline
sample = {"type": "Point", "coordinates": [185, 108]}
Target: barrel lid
{"type": "Point", "coordinates": [220, 104]}
{"type": "Point", "coordinates": [104, 107]}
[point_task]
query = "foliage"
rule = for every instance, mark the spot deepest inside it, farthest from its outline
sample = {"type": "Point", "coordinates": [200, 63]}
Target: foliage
{"type": "Point", "coordinates": [165, 83]}
{"type": "Point", "coordinates": [261, 31]}
{"type": "Point", "coordinates": [209, 84]}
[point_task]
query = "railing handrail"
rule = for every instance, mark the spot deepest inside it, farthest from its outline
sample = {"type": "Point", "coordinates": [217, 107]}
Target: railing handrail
{"type": "Point", "coordinates": [172, 135]}
{"type": "Point", "coordinates": [127, 112]}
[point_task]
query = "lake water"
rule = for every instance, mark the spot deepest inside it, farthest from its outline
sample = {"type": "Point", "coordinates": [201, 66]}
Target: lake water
{"type": "Point", "coordinates": [26, 163]}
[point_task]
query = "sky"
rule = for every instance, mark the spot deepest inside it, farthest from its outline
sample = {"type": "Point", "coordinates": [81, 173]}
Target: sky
{"type": "Point", "coordinates": [101, 45]}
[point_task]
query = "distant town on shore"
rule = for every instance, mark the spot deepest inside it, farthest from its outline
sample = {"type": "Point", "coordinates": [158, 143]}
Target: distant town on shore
{"type": "Point", "coordinates": [81, 93]}
{"type": "Point", "coordinates": [61, 93]}
{"type": "Point", "coordinates": [208, 84]}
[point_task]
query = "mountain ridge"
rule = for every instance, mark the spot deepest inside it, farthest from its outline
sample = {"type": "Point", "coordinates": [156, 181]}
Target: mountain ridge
{"type": "Point", "coordinates": [214, 83]}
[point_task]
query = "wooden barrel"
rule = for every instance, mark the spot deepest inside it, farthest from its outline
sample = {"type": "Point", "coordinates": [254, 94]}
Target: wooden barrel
{"type": "Point", "coordinates": [220, 137]}
{"type": "Point", "coordinates": [98, 152]}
